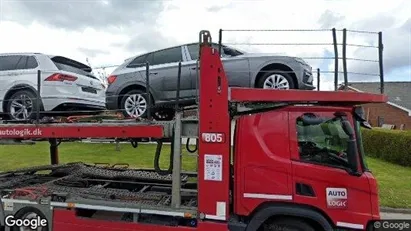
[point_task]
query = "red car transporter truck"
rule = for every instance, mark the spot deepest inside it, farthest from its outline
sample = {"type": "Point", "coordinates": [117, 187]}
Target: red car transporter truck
{"type": "Point", "coordinates": [296, 163]}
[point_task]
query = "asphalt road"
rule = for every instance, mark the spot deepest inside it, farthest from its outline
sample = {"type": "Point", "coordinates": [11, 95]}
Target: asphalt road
{"type": "Point", "coordinates": [399, 216]}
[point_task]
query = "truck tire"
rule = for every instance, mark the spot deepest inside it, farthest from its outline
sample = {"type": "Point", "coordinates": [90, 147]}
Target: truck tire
{"type": "Point", "coordinates": [25, 212]}
{"type": "Point", "coordinates": [22, 105]}
{"type": "Point", "coordinates": [289, 224]}
{"type": "Point", "coordinates": [276, 79]}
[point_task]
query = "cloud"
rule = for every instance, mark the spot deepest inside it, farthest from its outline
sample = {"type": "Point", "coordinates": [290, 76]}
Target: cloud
{"type": "Point", "coordinates": [220, 7]}
{"type": "Point", "coordinates": [60, 42]}
{"type": "Point", "coordinates": [149, 39]}
{"type": "Point", "coordinates": [329, 19]}
{"type": "Point", "coordinates": [78, 15]}
{"type": "Point", "coordinates": [112, 31]}
{"type": "Point", "coordinates": [92, 53]}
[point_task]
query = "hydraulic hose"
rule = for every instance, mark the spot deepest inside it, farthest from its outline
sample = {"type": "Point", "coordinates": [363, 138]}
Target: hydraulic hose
{"type": "Point", "coordinates": [134, 143]}
{"type": "Point", "coordinates": [188, 146]}
{"type": "Point", "coordinates": [157, 157]}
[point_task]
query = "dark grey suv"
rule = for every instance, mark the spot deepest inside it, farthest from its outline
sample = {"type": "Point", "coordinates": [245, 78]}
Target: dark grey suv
{"type": "Point", "coordinates": [127, 83]}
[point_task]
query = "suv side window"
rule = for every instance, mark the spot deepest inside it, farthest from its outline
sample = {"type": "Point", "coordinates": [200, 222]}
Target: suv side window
{"type": "Point", "coordinates": [31, 62]}
{"type": "Point", "coordinates": [171, 55]}
{"type": "Point", "coordinates": [21, 64]}
{"type": "Point", "coordinates": [17, 62]}
{"type": "Point", "coordinates": [193, 49]}
{"type": "Point", "coordinates": [9, 63]}
{"type": "Point", "coordinates": [324, 143]}
{"type": "Point", "coordinates": [139, 61]}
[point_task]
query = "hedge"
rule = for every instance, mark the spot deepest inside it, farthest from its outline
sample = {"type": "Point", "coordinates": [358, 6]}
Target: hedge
{"type": "Point", "coordinates": [391, 145]}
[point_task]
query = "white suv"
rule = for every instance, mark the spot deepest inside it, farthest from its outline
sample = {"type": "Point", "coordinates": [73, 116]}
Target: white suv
{"type": "Point", "coordinates": [67, 86]}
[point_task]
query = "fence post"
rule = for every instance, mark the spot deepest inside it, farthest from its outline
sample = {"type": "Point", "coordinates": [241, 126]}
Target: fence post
{"type": "Point", "coordinates": [148, 91]}
{"type": "Point", "coordinates": [334, 32]}
{"type": "Point", "coordinates": [38, 99]}
{"type": "Point", "coordinates": [344, 57]}
{"type": "Point", "coordinates": [380, 61]}
{"type": "Point", "coordinates": [318, 79]}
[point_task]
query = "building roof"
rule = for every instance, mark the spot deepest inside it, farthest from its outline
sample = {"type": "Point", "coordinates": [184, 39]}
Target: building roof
{"type": "Point", "coordinates": [399, 93]}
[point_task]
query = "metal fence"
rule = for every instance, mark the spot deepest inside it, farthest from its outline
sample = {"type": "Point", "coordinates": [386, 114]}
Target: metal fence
{"type": "Point", "coordinates": [151, 109]}
{"type": "Point", "coordinates": [333, 41]}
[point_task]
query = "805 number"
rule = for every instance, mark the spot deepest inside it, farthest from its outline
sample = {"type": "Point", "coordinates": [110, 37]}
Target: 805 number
{"type": "Point", "coordinates": [213, 137]}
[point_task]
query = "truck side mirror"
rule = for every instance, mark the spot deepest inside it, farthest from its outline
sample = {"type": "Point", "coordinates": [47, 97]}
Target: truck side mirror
{"type": "Point", "coordinates": [352, 157]}
{"type": "Point", "coordinates": [359, 115]}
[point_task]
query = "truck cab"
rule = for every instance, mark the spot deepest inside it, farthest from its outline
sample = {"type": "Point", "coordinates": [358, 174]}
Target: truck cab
{"type": "Point", "coordinates": [304, 162]}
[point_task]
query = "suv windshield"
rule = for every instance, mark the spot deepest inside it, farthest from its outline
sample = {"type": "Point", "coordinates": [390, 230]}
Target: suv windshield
{"type": "Point", "coordinates": [229, 51]}
{"type": "Point", "coordinates": [323, 143]}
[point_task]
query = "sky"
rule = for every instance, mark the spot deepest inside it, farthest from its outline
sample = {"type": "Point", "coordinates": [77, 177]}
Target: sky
{"type": "Point", "coordinates": [104, 33]}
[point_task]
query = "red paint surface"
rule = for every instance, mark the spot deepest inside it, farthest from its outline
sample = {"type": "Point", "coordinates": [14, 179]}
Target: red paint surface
{"type": "Point", "coordinates": [66, 220]}
{"type": "Point", "coordinates": [268, 163]}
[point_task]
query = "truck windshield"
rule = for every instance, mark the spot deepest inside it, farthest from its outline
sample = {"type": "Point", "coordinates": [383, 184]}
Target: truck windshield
{"type": "Point", "coordinates": [323, 143]}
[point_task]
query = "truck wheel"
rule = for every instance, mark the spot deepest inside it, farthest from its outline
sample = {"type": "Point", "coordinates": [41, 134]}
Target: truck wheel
{"type": "Point", "coordinates": [276, 79]}
{"type": "Point", "coordinates": [289, 224]}
{"type": "Point", "coordinates": [29, 213]}
{"type": "Point", "coordinates": [22, 105]}
{"type": "Point", "coordinates": [134, 104]}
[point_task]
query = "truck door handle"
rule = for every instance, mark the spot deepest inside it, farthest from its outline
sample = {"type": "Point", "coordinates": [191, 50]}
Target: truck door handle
{"type": "Point", "coordinates": [153, 73]}
{"type": "Point", "coordinates": [193, 68]}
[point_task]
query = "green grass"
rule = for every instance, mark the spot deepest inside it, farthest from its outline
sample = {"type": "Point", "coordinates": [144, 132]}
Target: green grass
{"type": "Point", "coordinates": [393, 180]}
{"type": "Point", "coordinates": [143, 156]}
{"type": "Point", "coordinates": [394, 183]}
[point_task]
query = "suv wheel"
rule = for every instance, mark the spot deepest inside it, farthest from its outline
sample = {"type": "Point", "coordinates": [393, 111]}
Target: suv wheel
{"type": "Point", "coordinates": [22, 105]}
{"type": "Point", "coordinates": [276, 80]}
{"type": "Point", "coordinates": [134, 104]}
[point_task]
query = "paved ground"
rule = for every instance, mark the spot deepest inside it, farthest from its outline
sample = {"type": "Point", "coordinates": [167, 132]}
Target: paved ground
{"type": "Point", "coordinates": [400, 216]}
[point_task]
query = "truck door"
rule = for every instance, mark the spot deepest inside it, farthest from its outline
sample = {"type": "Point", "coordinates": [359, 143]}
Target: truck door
{"type": "Point", "coordinates": [320, 170]}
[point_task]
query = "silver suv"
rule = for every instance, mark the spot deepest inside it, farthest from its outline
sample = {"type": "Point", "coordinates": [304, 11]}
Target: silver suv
{"type": "Point", "coordinates": [67, 86]}
{"type": "Point", "coordinates": [127, 83]}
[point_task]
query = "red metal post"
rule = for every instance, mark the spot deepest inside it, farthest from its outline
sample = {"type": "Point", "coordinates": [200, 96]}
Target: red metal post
{"type": "Point", "coordinates": [214, 140]}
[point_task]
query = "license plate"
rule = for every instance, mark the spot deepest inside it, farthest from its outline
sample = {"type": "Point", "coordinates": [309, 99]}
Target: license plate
{"type": "Point", "coordinates": [89, 90]}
